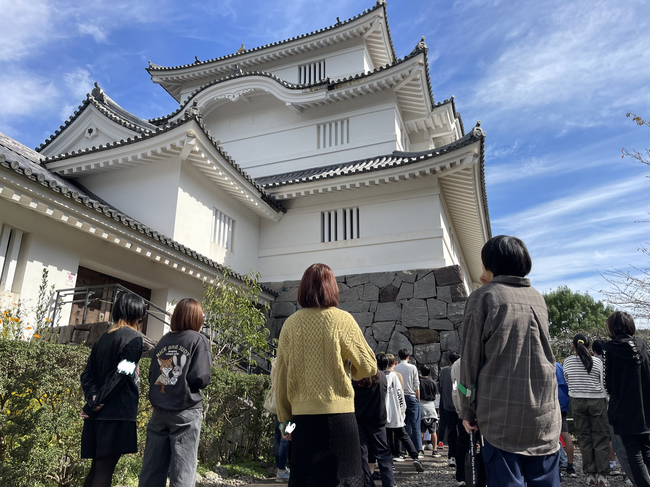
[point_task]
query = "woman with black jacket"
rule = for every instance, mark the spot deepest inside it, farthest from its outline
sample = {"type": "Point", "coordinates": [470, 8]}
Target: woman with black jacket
{"type": "Point", "coordinates": [627, 380]}
{"type": "Point", "coordinates": [111, 385]}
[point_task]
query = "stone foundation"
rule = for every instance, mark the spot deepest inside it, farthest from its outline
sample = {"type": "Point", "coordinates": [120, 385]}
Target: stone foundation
{"type": "Point", "coordinates": [88, 333]}
{"type": "Point", "coordinates": [419, 310]}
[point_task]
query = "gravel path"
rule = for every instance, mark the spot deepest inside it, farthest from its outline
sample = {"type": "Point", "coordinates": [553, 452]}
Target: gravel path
{"type": "Point", "coordinates": [438, 474]}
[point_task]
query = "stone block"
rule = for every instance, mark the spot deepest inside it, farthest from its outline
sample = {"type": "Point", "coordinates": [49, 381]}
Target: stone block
{"type": "Point", "coordinates": [357, 280]}
{"type": "Point", "coordinates": [456, 311]}
{"type": "Point", "coordinates": [288, 294]}
{"type": "Point", "coordinates": [65, 334]}
{"type": "Point", "coordinates": [381, 279]}
{"type": "Point", "coordinates": [383, 330]}
{"type": "Point", "coordinates": [97, 330]}
{"type": "Point", "coordinates": [415, 314]}
{"type": "Point", "coordinates": [418, 336]}
{"type": "Point", "coordinates": [398, 342]}
{"type": "Point", "coordinates": [425, 287]}
{"type": "Point", "coordinates": [382, 347]}
{"type": "Point", "coordinates": [80, 336]}
{"type": "Point", "coordinates": [446, 276]}
{"type": "Point", "coordinates": [83, 326]}
{"type": "Point", "coordinates": [372, 343]}
{"type": "Point", "coordinates": [407, 276]}
{"type": "Point", "coordinates": [443, 325]}
{"type": "Point", "coordinates": [290, 284]}
{"type": "Point", "coordinates": [427, 353]}
{"type": "Point", "coordinates": [397, 282]}
{"type": "Point", "coordinates": [405, 291]}
{"type": "Point", "coordinates": [423, 272]}
{"type": "Point", "coordinates": [437, 309]}
{"type": "Point", "coordinates": [388, 312]}
{"type": "Point", "coordinates": [282, 309]}
{"type": "Point", "coordinates": [458, 292]}
{"type": "Point", "coordinates": [355, 306]}
{"type": "Point", "coordinates": [434, 371]}
{"type": "Point", "coordinates": [342, 287]}
{"type": "Point", "coordinates": [363, 319]}
{"type": "Point", "coordinates": [373, 306]}
{"type": "Point", "coordinates": [401, 328]}
{"type": "Point", "coordinates": [340, 278]}
{"type": "Point", "coordinates": [444, 293]}
{"type": "Point", "coordinates": [370, 292]}
{"type": "Point", "coordinates": [349, 295]}
{"type": "Point", "coordinates": [275, 325]}
{"type": "Point", "coordinates": [367, 332]}
{"type": "Point", "coordinates": [273, 286]}
{"type": "Point", "coordinates": [388, 294]}
{"type": "Point", "coordinates": [450, 340]}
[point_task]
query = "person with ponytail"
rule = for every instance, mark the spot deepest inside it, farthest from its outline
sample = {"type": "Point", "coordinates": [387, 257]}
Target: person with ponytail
{"type": "Point", "coordinates": [627, 378]}
{"type": "Point", "coordinates": [584, 376]}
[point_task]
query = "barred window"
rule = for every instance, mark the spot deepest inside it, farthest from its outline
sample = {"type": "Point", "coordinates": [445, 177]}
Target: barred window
{"type": "Point", "coordinates": [334, 133]}
{"type": "Point", "coordinates": [341, 224]}
{"type": "Point", "coordinates": [312, 72]}
{"type": "Point", "coordinates": [222, 229]}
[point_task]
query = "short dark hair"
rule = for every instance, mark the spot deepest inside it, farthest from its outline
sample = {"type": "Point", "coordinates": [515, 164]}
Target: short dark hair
{"type": "Point", "coordinates": [506, 256]}
{"type": "Point", "coordinates": [382, 361]}
{"type": "Point", "coordinates": [318, 288]}
{"type": "Point", "coordinates": [425, 370]}
{"type": "Point", "coordinates": [128, 307]}
{"type": "Point", "coordinates": [403, 354]}
{"type": "Point", "coordinates": [597, 347]}
{"type": "Point", "coordinates": [453, 356]}
{"type": "Point", "coordinates": [188, 315]}
{"type": "Point", "coordinates": [620, 323]}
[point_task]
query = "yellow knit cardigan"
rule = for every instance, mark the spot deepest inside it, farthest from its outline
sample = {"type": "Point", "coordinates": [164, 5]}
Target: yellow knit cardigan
{"type": "Point", "coordinates": [311, 367]}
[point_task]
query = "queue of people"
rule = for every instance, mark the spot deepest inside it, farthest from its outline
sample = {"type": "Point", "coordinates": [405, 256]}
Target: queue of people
{"type": "Point", "coordinates": [342, 408]}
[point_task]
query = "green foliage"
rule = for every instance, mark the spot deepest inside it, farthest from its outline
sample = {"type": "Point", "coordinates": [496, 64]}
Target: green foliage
{"type": "Point", "coordinates": [570, 312]}
{"type": "Point", "coordinates": [247, 469]}
{"type": "Point", "coordinates": [11, 323]}
{"type": "Point", "coordinates": [235, 317]}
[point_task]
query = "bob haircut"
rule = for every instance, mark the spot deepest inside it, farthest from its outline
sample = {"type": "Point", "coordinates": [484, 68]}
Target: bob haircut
{"type": "Point", "coordinates": [188, 315]}
{"type": "Point", "coordinates": [318, 288]}
{"type": "Point", "coordinates": [382, 361]}
{"type": "Point", "coordinates": [129, 308]}
{"type": "Point", "coordinates": [620, 323]}
{"type": "Point", "coordinates": [506, 256]}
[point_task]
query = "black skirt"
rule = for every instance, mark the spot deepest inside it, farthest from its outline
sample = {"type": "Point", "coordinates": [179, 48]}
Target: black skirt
{"type": "Point", "coordinates": [325, 451]}
{"type": "Point", "coordinates": [107, 437]}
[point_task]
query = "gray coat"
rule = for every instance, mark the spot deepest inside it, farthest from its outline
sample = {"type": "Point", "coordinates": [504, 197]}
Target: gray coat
{"type": "Point", "coordinates": [506, 356]}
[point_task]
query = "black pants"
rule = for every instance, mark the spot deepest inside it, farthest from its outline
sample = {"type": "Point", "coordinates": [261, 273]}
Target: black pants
{"type": "Point", "coordinates": [373, 438]}
{"type": "Point", "coordinates": [101, 471]}
{"type": "Point", "coordinates": [448, 420]}
{"type": "Point", "coordinates": [400, 436]}
{"type": "Point", "coordinates": [637, 448]}
{"type": "Point", "coordinates": [462, 447]}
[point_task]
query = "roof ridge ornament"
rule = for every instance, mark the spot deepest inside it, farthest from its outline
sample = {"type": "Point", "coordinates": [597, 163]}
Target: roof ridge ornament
{"type": "Point", "coordinates": [237, 70]}
{"type": "Point", "coordinates": [98, 93]}
{"type": "Point", "coordinates": [241, 49]}
{"type": "Point", "coordinates": [381, 2]}
{"type": "Point", "coordinates": [422, 46]}
{"type": "Point", "coordinates": [194, 111]}
{"type": "Point", "coordinates": [477, 131]}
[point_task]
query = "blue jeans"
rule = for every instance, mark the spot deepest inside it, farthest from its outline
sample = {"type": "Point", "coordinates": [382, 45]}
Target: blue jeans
{"type": "Point", "coordinates": [280, 446]}
{"type": "Point", "coordinates": [505, 469]}
{"type": "Point", "coordinates": [413, 421]}
{"type": "Point", "coordinates": [172, 445]}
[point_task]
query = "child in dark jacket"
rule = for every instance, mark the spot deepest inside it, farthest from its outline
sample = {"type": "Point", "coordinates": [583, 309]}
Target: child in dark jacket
{"type": "Point", "coordinates": [180, 368]}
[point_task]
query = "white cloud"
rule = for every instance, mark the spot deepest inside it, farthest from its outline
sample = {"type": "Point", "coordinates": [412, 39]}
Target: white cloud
{"type": "Point", "coordinates": [79, 82]}
{"type": "Point", "coordinates": [25, 26]}
{"type": "Point", "coordinates": [24, 94]}
{"type": "Point", "coordinates": [95, 31]}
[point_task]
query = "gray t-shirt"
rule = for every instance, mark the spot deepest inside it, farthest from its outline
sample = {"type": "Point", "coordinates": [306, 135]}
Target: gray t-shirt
{"type": "Point", "coordinates": [410, 374]}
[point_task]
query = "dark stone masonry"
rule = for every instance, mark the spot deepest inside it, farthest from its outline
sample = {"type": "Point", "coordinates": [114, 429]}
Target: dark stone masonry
{"type": "Point", "coordinates": [419, 310]}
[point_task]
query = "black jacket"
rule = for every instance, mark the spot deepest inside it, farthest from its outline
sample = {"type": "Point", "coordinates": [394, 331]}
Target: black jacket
{"type": "Point", "coordinates": [445, 390]}
{"type": "Point", "coordinates": [117, 392]}
{"type": "Point", "coordinates": [180, 368]}
{"type": "Point", "coordinates": [370, 403]}
{"type": "Point", "coordinates": [428, 389]}
{"type": "Point", "coordinates": [627, 380]}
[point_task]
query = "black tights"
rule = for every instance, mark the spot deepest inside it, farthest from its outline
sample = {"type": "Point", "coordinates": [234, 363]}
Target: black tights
{"type": "Point", "coordinates": [101, 471]}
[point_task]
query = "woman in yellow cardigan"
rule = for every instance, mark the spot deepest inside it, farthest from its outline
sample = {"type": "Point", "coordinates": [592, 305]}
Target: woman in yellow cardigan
{"type": "Point", "coordinates": [320, 346]}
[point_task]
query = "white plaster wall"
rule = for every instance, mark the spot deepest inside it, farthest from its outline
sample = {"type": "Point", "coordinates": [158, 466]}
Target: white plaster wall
{"type": "Point", "coordinates": [197, 196]}
{"type": "Point", "coordinates": [400, 228]}
{"type": "Point", "coordinates": [147, 193]}
{"type": "Point", "coordinates": [167, 298]}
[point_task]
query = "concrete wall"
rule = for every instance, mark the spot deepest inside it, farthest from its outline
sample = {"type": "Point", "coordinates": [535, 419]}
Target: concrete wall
{"type": "Point", "coordinates": [420, 310]}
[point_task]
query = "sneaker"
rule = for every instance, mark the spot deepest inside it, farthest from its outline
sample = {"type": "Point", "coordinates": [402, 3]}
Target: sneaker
{"type": "Point", "coordinates": [420, 454]}
{"type": "Point", "coordinates": [452, 462]}
{"type": "Point", "coordinates": [614, 472]}
{"type": "Point", "coordinates": [461, 483]}
{"type": "Point", "coordinates": [591, 480]}
{"type": "Point", "coordinates": [376, 475]}
{"type": "Point", "coordinates": [282, 475]}
{"type": "Point", "coordinates": [571, 472]}
{"type": "Point", "coordinates": [428, 446]}
{"type": "Point", "coordinates": [418, 466]}
{"type": "Point", "coordinates": [399, 459]}
{"type": "Point", "coordinates": [602, 481]}
{"type": "Point", "coordinates": [441, 444]}
{"type": "Point", "coordinates": [435, 453]}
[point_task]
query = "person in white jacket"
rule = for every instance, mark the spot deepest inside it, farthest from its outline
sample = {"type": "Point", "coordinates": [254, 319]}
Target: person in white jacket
{"type": "Point", "coordinates": [396, 414]}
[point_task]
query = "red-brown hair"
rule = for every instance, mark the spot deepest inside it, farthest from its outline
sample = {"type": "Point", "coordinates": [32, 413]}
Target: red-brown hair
{"type": "Point", "coordinates": [318, 288]}
{"type": "Point", "coordinates": [188, 315]}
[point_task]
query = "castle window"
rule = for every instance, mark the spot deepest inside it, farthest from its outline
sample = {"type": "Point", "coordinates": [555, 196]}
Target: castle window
{"type": "Point", "coordinates": [311, 73]}
{"type": "Point", "coordinates": [342, 224]}
{"type": "Point", "coordinates": [222, 229]}
{"type": "Point", "coordinates": [10, 240]}
{"type": "Point", "coordinates": [332, 134]}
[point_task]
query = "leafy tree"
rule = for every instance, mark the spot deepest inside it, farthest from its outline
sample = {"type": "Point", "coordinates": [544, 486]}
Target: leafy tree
{"type": "Point", "coordinates": [630, 289]}
{"type": "Point", "coordinates": [570, 312]}
{"type": "Point", "coordinates": [235, 318]}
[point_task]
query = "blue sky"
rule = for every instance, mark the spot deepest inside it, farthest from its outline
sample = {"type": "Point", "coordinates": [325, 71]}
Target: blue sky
{"type": "Point", "coordinates": [550, 80]}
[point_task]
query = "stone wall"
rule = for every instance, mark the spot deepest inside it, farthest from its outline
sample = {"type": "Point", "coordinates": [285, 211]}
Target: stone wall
{"type": "Point", "coordinates": [88, 333]}
{"type": "Point", "coordinates": [419, 310]}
